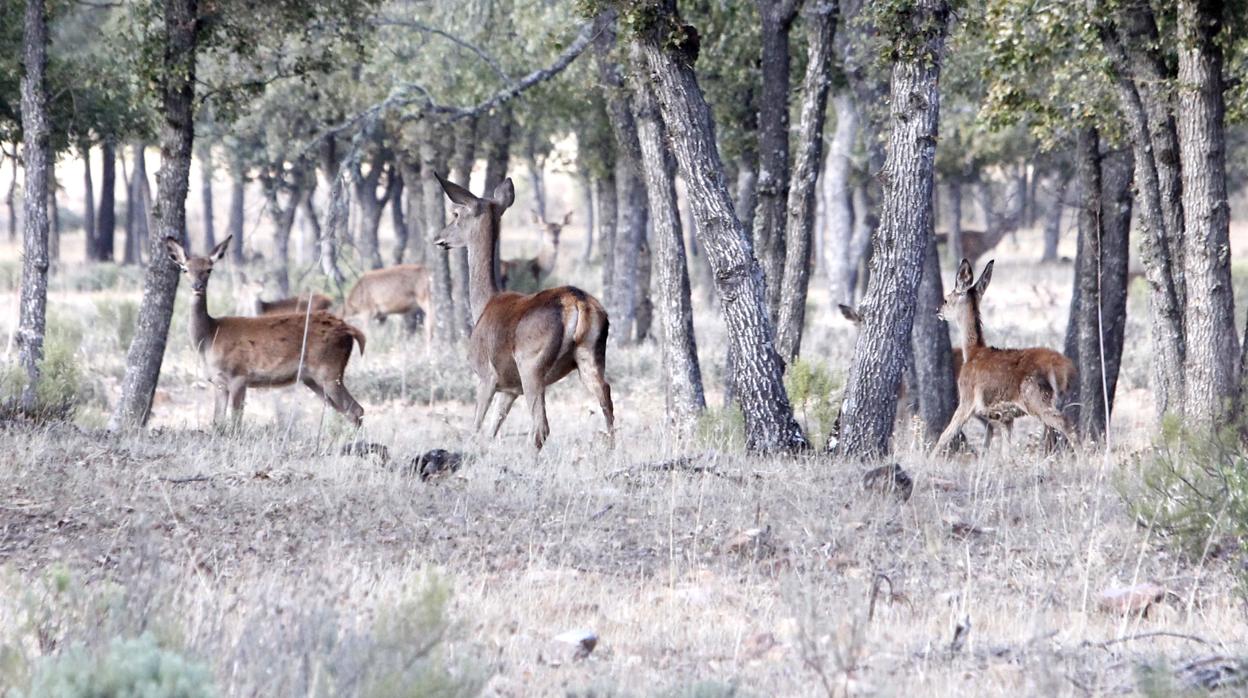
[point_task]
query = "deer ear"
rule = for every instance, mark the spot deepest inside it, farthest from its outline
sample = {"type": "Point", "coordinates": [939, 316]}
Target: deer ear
{"type": "Point", "coordinates": [456, 193]}
{"type": "Point", "coordinates": [567, 218]}
{"type": "Point", "coordinates": [504, 194]}
{"type": "Point", "coordinates": [965, 276]}
{"type": "Point", "coordinates": [218, 252]}
{"type": "Point", "coordinates": [985, 277]}
{"type": "Point", "coordinates": [176, 252]}
{"type": "Point", "coordinates": [850, 314]}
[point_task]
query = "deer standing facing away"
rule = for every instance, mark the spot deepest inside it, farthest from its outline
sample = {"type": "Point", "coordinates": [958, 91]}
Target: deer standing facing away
{"type": "Point", "coordinates": [398, 290]}
{"type": "Point", "coordinates": [268, 351]}
{"type": "Point", "coordinates": [298, 304]}
{"type": "Point", "coordinates": [519, 272]}
{"type": "Point", "coordinates": [522, 343]}
{"type": "Point", "coordinates": [998, 383]}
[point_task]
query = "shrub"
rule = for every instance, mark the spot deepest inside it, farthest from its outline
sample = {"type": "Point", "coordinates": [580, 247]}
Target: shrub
{"type": "Point", "coordinates": [722, 428]}
{"type": "Point", "coordinates": [61, 386]}
{"type": "Point", "coordinates": [811, 388]}
{"type": "Point", "coordinates": [126, 667]}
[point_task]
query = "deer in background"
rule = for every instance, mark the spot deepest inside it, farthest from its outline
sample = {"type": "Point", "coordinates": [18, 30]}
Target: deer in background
{"type": "Point", "coordinates": [298, 304]}
{"type": "Point", "coordinates": [398, 290]}
{"type": "Point", "coordinates": [1000, 383]}
{"type": "Point", "coordinates": [518, 272]}
{"type": "Point", "coordinates": [976, 243]}
{"type": "Point", "coordinates": [268, 351]}
{"type": "Point", "coordinates": [522, 343]}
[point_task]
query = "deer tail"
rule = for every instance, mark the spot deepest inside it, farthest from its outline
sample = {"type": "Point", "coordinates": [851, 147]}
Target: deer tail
{"type": "Point", "coordinates": [356, 333]}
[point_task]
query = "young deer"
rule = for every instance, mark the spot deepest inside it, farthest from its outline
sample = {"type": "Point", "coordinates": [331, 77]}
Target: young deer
{"type": "Point", "coordinates": [268, 351]}
{"type": "Point", "coordinates": [522, 343]}
{"type": "Point", "coordinates": [1000, 384]}
{"type": "Point", "coordinates": [398, 290]}
{"type": "Point", "coordinates": [298, 304]}
{"type": "Point", "coordinates": [519, 272]}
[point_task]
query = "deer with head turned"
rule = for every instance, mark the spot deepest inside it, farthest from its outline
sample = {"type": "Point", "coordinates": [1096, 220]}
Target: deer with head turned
{"type": "Point", "coordinates": [267, 351]}
{"type": "Point", "coordinates": [398, 290]}
{"type": "Point", "coordinates": [522, 343]}
{"type": "Point", "coordinates": [518, 272]}
{"type": "Point", "coordinates": [996, 383]}
{"type": "Point", "coordinates": [298, 304]}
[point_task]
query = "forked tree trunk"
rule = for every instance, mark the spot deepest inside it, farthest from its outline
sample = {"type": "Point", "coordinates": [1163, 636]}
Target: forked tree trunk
{"type": "Point", "coordinates": [800, 225]}
{"type": "Point", "coordinates": [206, 172]}
{"type": "Point", "coordinates": [37, 156]}
{"type": "Point", "coordinates": [88, 208]}
{"type": "Point", "coordinates": [160, 286]}
{"type": "Point", "coordinates": [839, 230]}
{"type": "Point", "coordinates": [757, 371]}
{"type": "Point", "coordinates": [106, 222]}
{"type": "Point", "coordinates": [433, 158]}
{"type": "Point", "coordinates": [901, 243]}
{"type": "Point", "coordinates": [462, 159]}
{"type": "Point", "coordinates": [1211, 366]}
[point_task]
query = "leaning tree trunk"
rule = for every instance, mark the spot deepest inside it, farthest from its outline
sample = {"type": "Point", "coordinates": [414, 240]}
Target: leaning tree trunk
{"type": "Point", "coordinates": [1053, 221]}
{"type": "Point", "coordinates": [1211, 366]}
{"type": "Point", "coordinates": [462, 159]}
{"type": "Point", "coordinates": [840, 213]}
{"type": "Point", "coordinates": [433, 158]}
{"type": "Point", "coordinates": [773, 144]}
{"type": "Point", "coordinates": [36, 153]}
{"type": "Point", "coordinates": [238, 193]}
{"type": "Point", "coordinates": [901, 242]}
{"type": "Point", "coordinates": [160, 286]}
{"type": "Point", "coordinates": [88, 209]}
{"type": "Point", "coordinates": [206, 172]}
{"type": "Point", "coordinates": [757, 379]}
{"type": "Point", "coordinates": [800, 224]}
{"type": "Point", "coordinates": [106, 222]}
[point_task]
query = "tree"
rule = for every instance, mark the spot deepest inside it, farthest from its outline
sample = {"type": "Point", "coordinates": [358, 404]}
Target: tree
{"type": "Point", "coordinates": [106, 222]}
{"type": "Point", "coordinates": [669, 47]}
{"type": "Point", "coordinates": [36, 132]}
{"type": "Point", "coordinates": [917, 41]}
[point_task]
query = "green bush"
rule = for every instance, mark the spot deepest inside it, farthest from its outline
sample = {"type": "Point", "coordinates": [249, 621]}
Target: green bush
{"type": "Point", "coordinates": [813, 391]}
{"type": "Point", "coordinates": [722, 428]}
{"type": "Point", "coordinates": [1193, 487]}
{"type": "Point", "coordinates": [122, 316]}
{"type": "Point", "coordinates": [126, 668]}
{"type": "Point", "coordinates": [61, 389]}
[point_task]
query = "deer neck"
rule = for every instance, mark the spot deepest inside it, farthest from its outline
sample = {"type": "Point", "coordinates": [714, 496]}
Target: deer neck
{"type": "Point", "coordinates": [483, 268]}
{"type": "Point", "coordinates": [547, 255]}
{"type": "Point", "coordinates": [202, 324]}
{"type": "Point", "coordinates": [972, 328]}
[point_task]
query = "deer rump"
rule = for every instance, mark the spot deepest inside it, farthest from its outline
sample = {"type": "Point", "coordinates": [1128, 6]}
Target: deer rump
{"type": "Point", "coordinates": [552, 324]}
{"type": "Point", "coordinates": [391, 291]}
{"type": "Point", "coordinates": [267, 350]}
{"type": "Point", "coordinates": [1001, 376]}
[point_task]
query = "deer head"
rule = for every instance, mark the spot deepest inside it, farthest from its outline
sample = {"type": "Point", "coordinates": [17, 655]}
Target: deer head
{"type": "Point", "coordinates": [474, 220]}
{"type": "Point", "coordinates": [965, 291]}
{"type": "Point", "coordinates": [197, 269]}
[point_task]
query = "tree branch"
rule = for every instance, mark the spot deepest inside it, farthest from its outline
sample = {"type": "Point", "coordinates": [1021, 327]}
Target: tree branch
{"type": "Point", "coordinates": [421, 26]}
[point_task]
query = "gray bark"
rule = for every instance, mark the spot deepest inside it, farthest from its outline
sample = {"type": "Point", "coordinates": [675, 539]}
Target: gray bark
{"type": "Point", "coordinates": [865, 223]}
{"type": "Point", "coordinates": [54, 216]}
{"type": "Point", "coordinates": [608, 210]}
{"type": "Point", "coordinates": [414, 216]}
{"type": "Point", "coordinates": [372, 205]}
{"type": "Point", "coordinates": [106, 221]}
{"type": "Point", "coordinates": [206, 172]}
{"type": "Point", "coordinates": [498, 148]}
{"type": "Point", "coordinates": [37, 156]}
{"type": "Point", "coordinates": [433, 158]}
{"type": "Point", "coordinates": [800, 224]}
{"type": "Point", "coordinates": [840, 212]}
{"type": "Point", "coordinates": [137, 208]}
{"type": "Point", "coordinates": [900, 245]}
{"type": "Point", "coordinates": [757, 370]}
{"type": "Point", "coordinates": [398, 217]}
{"type": "Point", "coordinates": [933, 386]}
{"type": "Point", "coordinates": [462, 159]}
{"type": "Point", "coordinates": [160, 285]}
{"type": "Point", "coordinates": [88, 209]}
{"type": "Point", "coordinates": [283, 217]}
{"type": "Point", "coordinates": [238, 192]}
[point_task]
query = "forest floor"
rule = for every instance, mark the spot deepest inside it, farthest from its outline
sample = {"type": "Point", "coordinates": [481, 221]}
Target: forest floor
{"type": "Point", "coordinates": [288, 569]}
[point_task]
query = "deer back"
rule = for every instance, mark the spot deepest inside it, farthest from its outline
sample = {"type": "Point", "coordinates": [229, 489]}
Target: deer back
{"type": "Point", "coordinates": [393, 290]}
{"type": "Point", "coordinates": [298, 304]}
{"type": "Point", "coordinates": [268, 350]}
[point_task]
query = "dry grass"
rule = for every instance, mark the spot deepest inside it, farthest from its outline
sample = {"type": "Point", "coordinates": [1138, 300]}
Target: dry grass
{"type": "Point", "coordinates": [274, 561]}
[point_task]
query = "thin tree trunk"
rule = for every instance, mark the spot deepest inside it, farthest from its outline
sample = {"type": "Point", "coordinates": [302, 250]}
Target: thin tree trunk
{"type": "Point", "coordinates": [865, 223]}
{"type": "Point", "coordinates": [417, 245]}
{"type": "Point", "coordinates": [906, 223]}
{"type": "Point", "coordinates": [840, 212]}
{"type": "Point", "coordinates": [311, 219]}
{"type": "Point", "coordinates": [498, 148]}
{"type": "Point", "coordinates": [800, 224]}
{"type": "Point", "coordinates": [37, 156]}
{"type": "Point", "coordinates": [757, 370]}
{"type": "Point", "coordinates": [106, 222]}
{"type": "Point", "coordinates": [1053, 221]}
{"type": "Point", "coordinates": [1083, 336]}
{"type": "Point", "coordinates": [433, 158]}
{"type": "Point", "coordinates": [608, 210]}
{"type": "Point", "coordinates": [462, 160]}
{"type": "Point", "coordinates": [88, 209]}
{"type": "Point", "coordinates": [955, 222]}
{"type": "Point", "coordinates": [54, 216]}
{"type": "Point", "coordinates": [206, 172]}
{"type": "Point", "coordinates": [535, 164]}
{"type": "Point", "coordinates": [587, 186]}
{"type": "Point", "coordinates": [1116, 199]}
{"type": "Point", "coordinates": [398, 217]}
{"type": "Point", "coordinates": [283, 217]}
{"type": "Point", "coordinates": [934, 387]}
{"type": "Point", "coordinates": [160, 286]}
{"type": "Point", "coordinates": [136, 202]}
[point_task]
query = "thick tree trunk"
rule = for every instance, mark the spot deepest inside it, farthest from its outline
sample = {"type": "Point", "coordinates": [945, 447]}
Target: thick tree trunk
{"type": "Point", "coordinates": [37, 156]}
{"type": "Point", "coordinates": [934, 387]}
{"type": "Point", "coordinates": [106, 222]}
{"type": "Point", "coordinates": [587, 186]}
{"type": "Point", "coordinates": [88, 208]}
{"type": "Point", "coordinates": [433, 158]}
{"type": "Point", "coordinates": [840, 212]}
{"type": "Point", "coordinates": [1116, 199]}
{"type": "Point", "coordinates": [1211, 365]}
{"type": "Point", "coordinates": [160, 286]}
{"type": "Point", "coordinates": [757, 370]}
{"type": "Point", "coordinates": [906, 224]}
{"type": "Point", "coordinates": [462, 160]}
{"type": "Point", "coordinates": [773, 144]}
{"type": "Point", "coordinates": [371, 207]}
{"type": "Point", "coordinates": [206, 172]}
{"type": "Point", "coordinates": [1053, 221]}
{"type": "Point", "coordinates": [238, 193]}
{"type": "Point", "coordinates": [800, 224]}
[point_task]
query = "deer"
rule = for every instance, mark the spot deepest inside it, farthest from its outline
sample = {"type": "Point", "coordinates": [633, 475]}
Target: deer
{"type": "Point", "coordinates": [1000, 384]}
{"type": "Point", "coordinates": [522, 342]}
{"type": "Point", "coordinates": [298, 304]}
{"type": "Point", "coordinates": [519, 271]}
{"type": "Point", "coordinates": [267, 351]}
{"type": "Point", "coordinates": [398, 290]}
{"type": "Point", "coordinates": [976, 243]}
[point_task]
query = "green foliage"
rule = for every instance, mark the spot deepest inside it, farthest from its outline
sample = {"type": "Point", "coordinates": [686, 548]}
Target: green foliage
{"type": "Point", "coordinates": [722, 428]}
{"type": "Point", "coordinates": [61, 389]}
{"type": "Point", "coordinates": [138, 668]}
{"type": "Point", "coordinates": [122, 316]}
{"type": "Point", "coordinates": [1193, 487]}
{"type": "Point", "coordinates": [813, 391]}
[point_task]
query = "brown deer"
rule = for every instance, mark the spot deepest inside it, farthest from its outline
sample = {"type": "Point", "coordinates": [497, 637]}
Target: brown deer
{"type": "Point", "coordinates": [532, 271]}
{"type": "Point", "coordinates": [268, 351]}
{"type": "Point", "coordinates": [976, 243]}
{"type": "Point", "coordinates": [522, 343]}
{"type": "Point", "coordinates": [1000, 383]}
{"type": "Point", "coordinates": [398, 290]}
{"type": "Point", "coordinates": [298, 304]}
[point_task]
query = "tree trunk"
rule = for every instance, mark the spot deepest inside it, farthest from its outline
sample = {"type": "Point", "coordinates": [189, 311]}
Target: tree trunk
{"type": "Point", "coordinates": [498, 148]}
{"type": "Point", "coordinates": [535, 163]}
{"type": "Point", "coordinates": [414, 219]}
{"type": "Point", "coordinates": [934, 386]}
{"type": "Point", "coordinates": [1116, 201]}
{"type": "Point", "coordinates": [398, 217]}
{"type": "Point", "coordinates": [10, 202]}
{"type": "Point", "coordinates": [1053, 222]}
{"type": "Point", "coordinates": [160, 286]}
{"type": "Point", "coordinates": [238, 192]}
{"type": "Point", "coordinates": [757, 373]}
{"type": "Point", "coordinates": [311, 242]}
{"type": "Point", "coordinates": [371, 207]}
{"type": "Point", "coordinates": [840, 212]}
{"type": "Point", "coordinates": [462, 159]}
{"type": "Point", "coordinates": [1083, 333]}
{"type": "Point", "coordinates": [801, 202]}
{"type": "Point", "coordinates": [906, 224]}
{"type": "Point", "coordinates": [106, 222]}
{"type": "Point", "coordinates": [37, 156]}
{"type": "Point", "coordinates": [54, 216]}
{"type": "Point", "coordinates": [747, 187]}
{"type": "Point", "coordinates": [283, 217]}
{"type": "Point", "coordinates": [865, 223]}
{"type": "Point", "coordinates": [206, 172]}
{"type": "Point", "coordinates": [955, 221]}
{"type": "Point", "coordinates": [773, 144]}
{"type": "Point", "coordinates": [88, 209]}
{"type": "Point", "coordinates": [136, 202]}
{"type": "Point", "coordinates": [608, 210]}
{"type": "Point", "coordinates": [587, 186]}
{"type": "Point", "coordinates": [433, 158]}
{"type": "Point", "coordinates": [1211, 365]}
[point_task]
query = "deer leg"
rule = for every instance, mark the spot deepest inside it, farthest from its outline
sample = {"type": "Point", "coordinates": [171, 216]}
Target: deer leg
{"type": "Point", "coordinates": [342, 401]}
{"type": "Point", "coordinates": [593, 375]}
{"type": "Point", "coordinates": [1039, 402]}
{"type": "Point", "coordinates": [989, 432]}
{"type": "Point", "coordinates": [219, 402]}
{"type": "Point", "coordinates": [504, 406]}
{"type": "Point", "coordinates": [485, 393]}
{"type": "Point", "coordinates": [535, 388]}
{"type": "Point", "coordinates": [238, 395]}
{"type": "Point", "coordinates": [964, 412]}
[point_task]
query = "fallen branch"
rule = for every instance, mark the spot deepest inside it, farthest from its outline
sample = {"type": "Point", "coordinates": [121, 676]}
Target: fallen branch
{"type": "Point", "coordinates": [185, 480]}
{"type": "Point", "coordinates": [1145, 636]}
{"type": "Point", "coordinates": [684, 464]}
